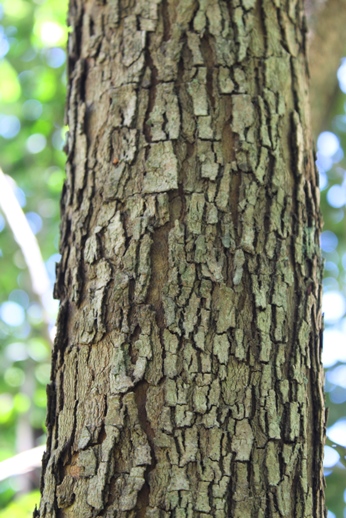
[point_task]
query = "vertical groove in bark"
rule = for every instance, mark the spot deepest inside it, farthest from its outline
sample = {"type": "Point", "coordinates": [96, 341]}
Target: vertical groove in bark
{"type": "Point", "coordinates": [186, 373]}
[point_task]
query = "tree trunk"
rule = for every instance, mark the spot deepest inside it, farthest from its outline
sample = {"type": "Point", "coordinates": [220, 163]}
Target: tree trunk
{"type": "Point", "coordinates": [186, 376]}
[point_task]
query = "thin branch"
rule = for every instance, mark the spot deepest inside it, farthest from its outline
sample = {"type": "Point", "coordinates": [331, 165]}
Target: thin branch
{"type": "Point", "coordinates": [27, 242]}
{"type": "Point", "coordinates": [22, 463]}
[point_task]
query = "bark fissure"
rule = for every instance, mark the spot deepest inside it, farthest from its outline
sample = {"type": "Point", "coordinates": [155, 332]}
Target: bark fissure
{"type": "Point", "coordinates": [191, 268]}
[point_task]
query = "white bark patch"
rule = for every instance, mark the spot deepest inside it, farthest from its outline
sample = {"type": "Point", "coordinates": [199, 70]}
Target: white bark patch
{"type": "Point", "coordinates": [146, 10]}
{"type": "Point", "coordinates": [125, 144]}
{"type": "Point", "coordinates": [81, 156]}
{"type": "Point", "coordinates": [144, 268]}
{"type": "Point", "coordinates": [225, 302]}
{"type": "Point", "coordinates": [221, 348]}
{"type": "Point", "coordinates": [205, 130]}
{"type": "Point", "coordinates": [294, 421]}
{"type": "Point", "coordinates": [114, 237]}
{"type": "Point", "coordinates": [164, 119]}
{"type": "Point", "coordinates": [162, 168]}
{"type": "Point", "coordinates": [202, 503]}
{"type": "Point", "coordinates": [264, 319]}
{"type": "Point", "coordinates": [299, 143]}
{"type": "Point", "coordinates": [123, 108]}
{"type": "Point", "coordinates": [239, 347]}
{"type": "Point", "coordinates": [208, 159]}
{"type": "Point", "coordinates": [95, 495]}
{"type": "Point", "coordinates": [134, 483]}
{"type": "Point", "coordinates": [243, 440]}
{"type": "Point", "coordinates": [91, 250]}
{"type": "Point", "coordinates": [260, 288]}
{"type": "Point", "coordinates": [272, 464]}
{"type": "Point", "coordinates": [134, 41]}
{"type": "Point", "coordinates": [225, 82]}
{"type": "Point", "coordinates": [200, 399]}
{"type": "Point", "coordinates": [88, 462]}
{"type": "Point", "coordinates": [103, 273]}
{"type": "Point", "coordinates": [179, 480]}
{"type": "Point", "coordinates": [194, 45]}
{"type": "Point", "coordinates": [195, 214]}
{"type": "Point", "coordinates": [243, 114]}
{"type": "Point", "coordinates": [239, 260]}
{"type": "Point", "coordinates": [222, 198]}
{"type": "Point", "coordinates": [198, 92]}
{"type": "Point", "coordinates": [120, 382]}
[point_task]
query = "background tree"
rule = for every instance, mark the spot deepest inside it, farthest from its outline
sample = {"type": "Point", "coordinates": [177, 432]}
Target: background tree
{"type": "Point", "coordinates": [32, 93]}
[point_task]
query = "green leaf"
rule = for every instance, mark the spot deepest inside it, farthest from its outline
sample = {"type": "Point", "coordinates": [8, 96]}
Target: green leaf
{"type": "Point", "coordinates": [22, 507]}
{"type": "Point", "coordinates": [9, 85]}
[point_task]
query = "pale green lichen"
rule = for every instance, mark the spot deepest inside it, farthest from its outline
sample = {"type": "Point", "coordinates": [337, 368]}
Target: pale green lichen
{"type": "Point", "coordinates": [161, 168]}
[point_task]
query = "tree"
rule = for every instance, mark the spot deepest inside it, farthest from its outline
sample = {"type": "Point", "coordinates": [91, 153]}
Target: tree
{"type": "Point", "coordinates": [186, 376]}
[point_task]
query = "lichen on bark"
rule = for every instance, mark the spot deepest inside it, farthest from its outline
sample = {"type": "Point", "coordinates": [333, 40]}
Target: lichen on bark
{"type": "Point", "coordinates": [186, 374]}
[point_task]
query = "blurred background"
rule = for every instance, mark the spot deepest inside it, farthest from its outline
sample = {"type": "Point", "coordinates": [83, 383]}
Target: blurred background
{"type": "Point", "coordinates": [32, 96]}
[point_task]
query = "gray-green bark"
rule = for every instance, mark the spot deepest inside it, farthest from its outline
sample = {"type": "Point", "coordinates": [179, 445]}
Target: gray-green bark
{"type": "Point", "coordinates": [186, 375]}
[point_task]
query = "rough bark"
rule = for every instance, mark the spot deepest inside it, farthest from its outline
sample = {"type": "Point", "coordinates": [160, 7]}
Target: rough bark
{"type": "Point", "coordinates": [186, 375]}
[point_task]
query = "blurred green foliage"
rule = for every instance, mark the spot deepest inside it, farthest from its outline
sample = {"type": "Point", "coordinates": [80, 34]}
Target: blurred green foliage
{"type": "Point", "coordinates": [331, 162]}
{"type": "Point", "coordinates": [22, 507]}
{"type": "Point", "coordinates": [32, 96]}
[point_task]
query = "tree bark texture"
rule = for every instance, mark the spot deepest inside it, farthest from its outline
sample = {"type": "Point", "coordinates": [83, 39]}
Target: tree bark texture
{"type": "Point", "coordinates": [186, 377]}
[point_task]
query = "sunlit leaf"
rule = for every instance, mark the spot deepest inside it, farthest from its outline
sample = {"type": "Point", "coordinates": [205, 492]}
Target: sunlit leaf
{"type": "Point", "coordinates": [38, 349]}
{"type": "Point", "coordinates": [42, 373]}
{"type": "Point", "coordinates": [6, 407]}
{"type": "Point", "coordinates": [14, 376]}
{"type": "Point", "coordinates": [22, 507]}
{"type": "Point", "coordinates": [16, 8]}
{"type": "Point", "coordinates": [49, 33]}
{"type": "Point", "coordinates": [40, 398]}
{"type": "Point", "coordinates": [56, 179]}
{"type": "Point", "coordinates": [9, 85]}
{"type": "Point", "coordinates": [21, 403]}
